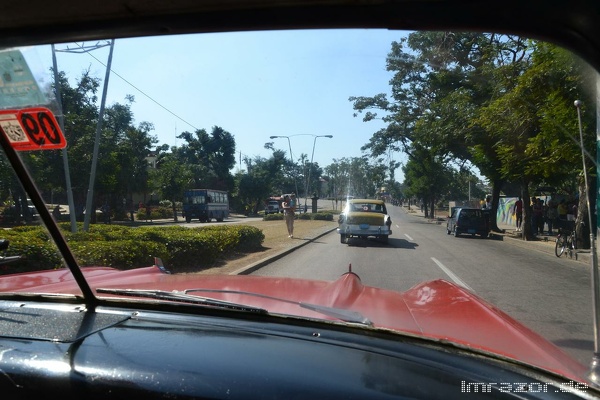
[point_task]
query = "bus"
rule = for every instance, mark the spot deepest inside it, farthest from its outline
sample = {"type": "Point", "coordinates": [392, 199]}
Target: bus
{"type": "Point", "coordinates": [205, 205]}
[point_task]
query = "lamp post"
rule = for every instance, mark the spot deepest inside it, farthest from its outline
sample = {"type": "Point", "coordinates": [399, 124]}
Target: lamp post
{"type": "Point", "coordinates": [291, 158]}
{"type": "Point", "coordinates": [310, 167]}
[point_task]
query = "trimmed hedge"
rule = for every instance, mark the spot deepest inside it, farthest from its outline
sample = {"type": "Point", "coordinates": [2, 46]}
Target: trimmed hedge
{"type": "Point", "coordinates": [182, 249]}
{"type": "Point", "coordinates": [321, 216]}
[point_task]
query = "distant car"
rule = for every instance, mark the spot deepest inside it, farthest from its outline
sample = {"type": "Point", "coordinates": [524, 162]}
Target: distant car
{"type": "Point", "coordinates": [363, 218]}
{"type": "Point", "coordinates": [464, 220]}
{"type": "Point", "coordinates": [272, 207]}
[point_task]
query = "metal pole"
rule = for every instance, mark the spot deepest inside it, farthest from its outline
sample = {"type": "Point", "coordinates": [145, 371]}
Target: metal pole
{"type": "Point", "coordinates": [88, 204]}
{"type": "Point", "coordinates": [310, 167]}
{"type": "Point", "coordinates": [308, 176]}
{"type": "Point", "coordinates": [291, 158]}
{"type": "Point", "coordinates": [61, 121]}
{"type": "Point", "coordinates": [595, 365]}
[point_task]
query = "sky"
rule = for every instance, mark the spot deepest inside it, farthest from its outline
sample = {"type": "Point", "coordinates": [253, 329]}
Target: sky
{"type": "Point", "coordinates": [253, 85]}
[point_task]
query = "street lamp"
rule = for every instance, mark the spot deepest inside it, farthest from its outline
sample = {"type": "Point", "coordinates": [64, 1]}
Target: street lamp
{"type": "Point", "coordinates": [311, 162]}
{"type": "Point", "coordinates": [291, 158]}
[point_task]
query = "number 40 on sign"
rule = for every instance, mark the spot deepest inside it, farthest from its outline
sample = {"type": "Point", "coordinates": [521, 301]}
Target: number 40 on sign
{"type": "Point", "coordinates": [31, 129]}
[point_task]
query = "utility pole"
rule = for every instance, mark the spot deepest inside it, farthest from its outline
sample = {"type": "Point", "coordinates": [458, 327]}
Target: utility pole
{"type": "Point", "coordinates": [90, 194]}
{"type": "Point", "coordinates": [61, 122]}
{"type": "Point", "coordinates": [291, 158]}
{"type": "Point", "coordinates": [311, 164]}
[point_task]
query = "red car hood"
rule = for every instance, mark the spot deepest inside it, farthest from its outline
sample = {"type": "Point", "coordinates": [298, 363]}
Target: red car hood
{"type": "Point", "coordinates": [435, 309]}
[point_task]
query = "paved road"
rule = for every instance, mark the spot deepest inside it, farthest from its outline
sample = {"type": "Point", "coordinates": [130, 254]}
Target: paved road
{"type": "Point", "coordinates": [525, 279]}
{"type": "Point", "coordinates": [543, 243]}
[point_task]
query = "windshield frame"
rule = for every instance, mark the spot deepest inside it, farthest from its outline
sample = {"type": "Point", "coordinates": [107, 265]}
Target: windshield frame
{"type": "Point", "coordinates": [299, 17]}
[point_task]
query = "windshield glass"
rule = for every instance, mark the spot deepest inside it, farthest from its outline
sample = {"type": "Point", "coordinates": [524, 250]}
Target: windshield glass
{"type": "Point", "coordinates": [188, 162]}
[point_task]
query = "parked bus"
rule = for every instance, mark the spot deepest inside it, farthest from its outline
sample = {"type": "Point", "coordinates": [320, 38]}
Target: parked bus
{"type": "Point", "coordinates": [205, 205]}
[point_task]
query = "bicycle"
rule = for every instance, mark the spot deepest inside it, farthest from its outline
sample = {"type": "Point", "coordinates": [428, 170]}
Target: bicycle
{"type": "Point", "coordinates": [565, 241]}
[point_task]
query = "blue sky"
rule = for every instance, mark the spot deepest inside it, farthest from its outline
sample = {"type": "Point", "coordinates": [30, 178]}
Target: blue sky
{"type": "Point", "coordinates": [254, 85]}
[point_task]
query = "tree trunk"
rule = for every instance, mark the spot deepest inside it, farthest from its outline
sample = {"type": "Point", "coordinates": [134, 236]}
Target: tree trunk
{"type": "Point", "coordinates": [432, 208]}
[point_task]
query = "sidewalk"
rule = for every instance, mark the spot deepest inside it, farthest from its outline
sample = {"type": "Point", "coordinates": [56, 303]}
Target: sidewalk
{"type": "Point", "coordinates": [543, 243]}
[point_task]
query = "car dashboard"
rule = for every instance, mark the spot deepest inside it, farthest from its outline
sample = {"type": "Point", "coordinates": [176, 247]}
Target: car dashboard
{"type": "Point", "coordinates": [71, 352]}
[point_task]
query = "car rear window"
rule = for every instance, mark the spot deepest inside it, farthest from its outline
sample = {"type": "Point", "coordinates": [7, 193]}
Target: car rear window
{"type": "Point", "coordinates": [470, 214]}
{"type": "Point", "coordinates": [368, 207]}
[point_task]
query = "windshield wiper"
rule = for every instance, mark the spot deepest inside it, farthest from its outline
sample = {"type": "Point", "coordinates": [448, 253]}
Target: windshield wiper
{"type": "Point", "coordinates": [182, 297]}
{"type": "Point", "coordinates": [339, 313]}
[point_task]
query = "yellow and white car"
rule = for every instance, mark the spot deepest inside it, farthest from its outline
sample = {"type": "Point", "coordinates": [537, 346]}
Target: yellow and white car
{"type": "Point", "coordinates": [363, 218]}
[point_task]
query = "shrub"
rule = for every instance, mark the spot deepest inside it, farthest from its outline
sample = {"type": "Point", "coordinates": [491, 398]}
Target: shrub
{"type": "Point", "coordinates": [155, 213]}
{"type": "Point", "coordinates": [36, 250]}
{"type": "Point", "coordinates": [120, 254]}
{"type": "Point", "coordinates": [122, 247]}
{"type": "Point", "coordinates": [273, 217]}
{"type": "Point", "coordinates": [250, 238]}
{"type": "Point", "coordinates": [166, 204]}
{"type": "Point", "coordinates": [321, 216]}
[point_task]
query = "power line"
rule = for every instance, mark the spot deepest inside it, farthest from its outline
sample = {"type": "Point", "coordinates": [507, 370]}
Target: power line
{"type": "Point", "coordinates": [83, 49]}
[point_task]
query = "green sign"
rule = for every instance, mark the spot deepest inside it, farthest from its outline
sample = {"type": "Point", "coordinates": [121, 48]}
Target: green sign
{"type": "Point", "coordinates": [18, 87]}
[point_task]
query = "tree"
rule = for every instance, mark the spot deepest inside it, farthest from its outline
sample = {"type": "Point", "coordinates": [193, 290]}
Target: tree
{"type": "Point", "coordinates": [171, 179]}
{"type": "Point", "coordinates": [211, 157]}
{"type": "Point", "coordinates": [265, 177]}
{"type": "Point", "coordinates": [425, 177]}
{"type": "Point", "coordinates": [451, 92]}
{"type": "Point", "coordinates": [533, 143]}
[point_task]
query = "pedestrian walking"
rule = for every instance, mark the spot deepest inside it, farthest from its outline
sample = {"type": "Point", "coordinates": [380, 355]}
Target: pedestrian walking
{"type": "Point", "coordinates": [518, 213]}
{"type": "Point", "coordinates": [542, 216]}
{"type": "Point", "coordinates": [289, 209]}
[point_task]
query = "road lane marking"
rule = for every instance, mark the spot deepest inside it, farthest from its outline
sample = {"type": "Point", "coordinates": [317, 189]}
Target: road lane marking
{"type": "Point", "coordinates": [452, 276]}
{"type": "Point", "coordinates": [409, 238]}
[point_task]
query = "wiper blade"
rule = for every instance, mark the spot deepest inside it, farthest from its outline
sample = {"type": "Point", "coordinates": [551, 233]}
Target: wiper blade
{"type": "Point", "coordinates": [339, 313]}
{"type": "Point", "coordinates": [182, 297]}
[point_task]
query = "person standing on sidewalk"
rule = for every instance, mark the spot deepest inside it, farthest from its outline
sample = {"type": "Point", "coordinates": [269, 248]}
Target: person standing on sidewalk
{"type": "Point", "coordinates": [537, 215]}
{"type": "Point", "coordinates": [289, 209]}
{"type": "Point", "coordinates": [518, 213]}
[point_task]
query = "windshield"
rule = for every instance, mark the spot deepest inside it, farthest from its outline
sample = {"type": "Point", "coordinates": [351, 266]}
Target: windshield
{"type": "Point", "coordinates": [156, 157]}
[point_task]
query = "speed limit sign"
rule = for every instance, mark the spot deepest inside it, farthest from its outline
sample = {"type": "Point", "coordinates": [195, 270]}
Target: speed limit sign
{"type": "Point", "coordinates": [32, 129]}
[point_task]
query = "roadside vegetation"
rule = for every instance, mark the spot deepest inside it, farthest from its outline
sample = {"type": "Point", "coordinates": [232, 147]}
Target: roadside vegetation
{"type": "Point", "coordinates": [182, 249]}
{"type": "Point", "coordinates": [447, 135]}
{"type": "Point", "coordinates": [322, 216]}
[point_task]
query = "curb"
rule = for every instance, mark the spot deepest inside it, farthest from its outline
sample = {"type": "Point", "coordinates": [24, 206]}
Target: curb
{"type": "Point", "coordinates": [261, 263]}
